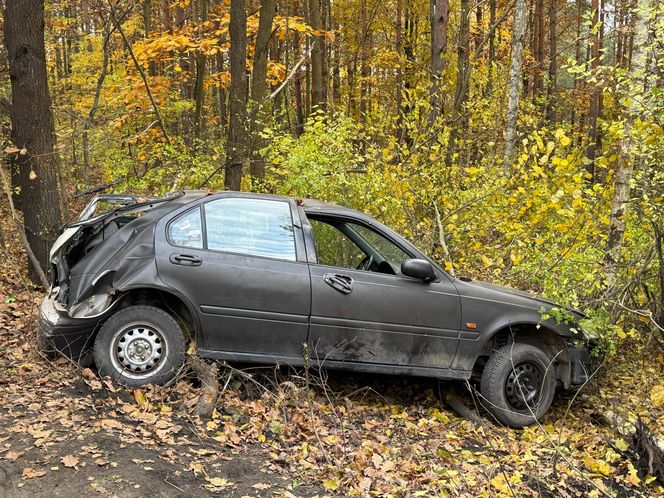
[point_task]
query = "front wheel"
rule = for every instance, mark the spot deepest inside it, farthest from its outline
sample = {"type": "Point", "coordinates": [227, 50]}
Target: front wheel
{"type": "Point", "coordinates": [518, 384]}
{"type": "Point", "coordinates": [140, 345]}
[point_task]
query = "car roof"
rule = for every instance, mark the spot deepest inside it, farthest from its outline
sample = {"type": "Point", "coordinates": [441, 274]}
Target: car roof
{"type": "Point", "coordinates": [309, 205]}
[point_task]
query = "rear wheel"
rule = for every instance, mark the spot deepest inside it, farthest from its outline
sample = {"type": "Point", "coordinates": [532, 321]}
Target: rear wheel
{"type": "Point", "coordinates": [140, 345]}
{"type": "Point", "coordinates": [518, 384]}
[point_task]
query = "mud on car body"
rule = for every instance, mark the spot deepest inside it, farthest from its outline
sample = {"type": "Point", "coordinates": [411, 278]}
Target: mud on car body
{"type": "Point", "coordinates": [253, 278]}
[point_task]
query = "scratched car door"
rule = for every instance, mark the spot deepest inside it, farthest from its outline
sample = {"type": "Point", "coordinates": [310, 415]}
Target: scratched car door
{"type": "Point", "coordinates": [376, 315]}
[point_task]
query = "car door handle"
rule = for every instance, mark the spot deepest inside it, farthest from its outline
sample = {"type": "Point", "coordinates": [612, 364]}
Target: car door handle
{"type": "Point", "coordinates": [342, 283]}
{"type": "Point", "coordinates": [185, 260]}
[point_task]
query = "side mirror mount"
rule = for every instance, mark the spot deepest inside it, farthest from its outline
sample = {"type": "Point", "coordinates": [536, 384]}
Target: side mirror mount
{"type": "Point", "coordinates": [418, 268]}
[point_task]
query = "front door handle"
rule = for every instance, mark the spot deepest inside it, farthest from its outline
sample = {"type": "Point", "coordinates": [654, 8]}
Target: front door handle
{"type": "Point", "coordinates": [342, 283]}
{"type": "Point", "coordinates": [185, 260]}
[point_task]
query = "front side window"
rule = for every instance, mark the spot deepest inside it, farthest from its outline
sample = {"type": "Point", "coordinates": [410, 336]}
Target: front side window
{"type": "Point", "coordinates": [256, 227]}
{"type": "Point", "coordinates": [350, 245]}
{"type": "Point", "coordinates": [333, 248]}
{"type": "Point", "coordinates": [186, 230]}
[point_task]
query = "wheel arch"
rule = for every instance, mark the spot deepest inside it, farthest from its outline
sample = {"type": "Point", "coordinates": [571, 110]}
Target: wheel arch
{"type": "Point", "coordinates": [169, 300]}
{"type": "Point", "coordinates": [543, 336]}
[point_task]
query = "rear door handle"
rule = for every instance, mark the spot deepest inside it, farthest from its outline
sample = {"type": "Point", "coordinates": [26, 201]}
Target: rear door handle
{"type": "Point", "coordinates": [185, 260]}
{"type": "Point", "coordinates": [342, 283]}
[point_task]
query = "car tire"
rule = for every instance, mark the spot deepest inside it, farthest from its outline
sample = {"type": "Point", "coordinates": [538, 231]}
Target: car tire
{"type": "Point", "coordinates": [518, 384]}
{"type": "Point", "coordinates": [140, 345]}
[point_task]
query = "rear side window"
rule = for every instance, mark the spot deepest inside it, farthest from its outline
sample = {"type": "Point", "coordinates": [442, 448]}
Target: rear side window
{"type": "Point", "coordinates": [186, 230]}
{"type": "Point", "coordinates": [256, 227]}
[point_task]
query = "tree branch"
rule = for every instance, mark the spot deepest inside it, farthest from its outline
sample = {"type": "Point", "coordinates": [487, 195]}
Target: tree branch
{"type": "Point", "coordinates": [21, 232]}
{"type": "Point", "coordinates": [118, 26]}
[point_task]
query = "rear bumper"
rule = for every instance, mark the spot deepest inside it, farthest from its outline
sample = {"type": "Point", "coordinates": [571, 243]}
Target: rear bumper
{"type": "Point", "coordinates": [72, 337]}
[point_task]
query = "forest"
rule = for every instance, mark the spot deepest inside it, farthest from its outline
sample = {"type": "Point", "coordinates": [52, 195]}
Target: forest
{"type": "Point", "coordinates": [518, 142]}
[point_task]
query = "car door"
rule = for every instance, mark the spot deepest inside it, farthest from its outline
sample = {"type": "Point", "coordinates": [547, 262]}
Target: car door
{"type": "Point", "coordinates": [241, 261]}
{"type": "Point", "coordinates": [363, 309]}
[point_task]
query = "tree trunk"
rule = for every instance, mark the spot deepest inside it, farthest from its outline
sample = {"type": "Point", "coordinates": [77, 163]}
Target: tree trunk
{"type": "Point", "coordinates": [299, 103]}
{"type": "Point", "coordinates": [221, 94]}
{"type": "Point", "coordinates": [364, 60]}
{"type": "Point", "coordinates": [336, 68]}
{"type": "Point", "coordinates": [552, 84]}
{"type": "Point", "coordinates": [463, 60]}
{"type": "Point", "coordinates": [201, 63]}
{"type": "Point", "coordinates": [439, 11]}
{"type": "Point", "coordinates": [185, 87]}
{"type": "Point", "coordinates": [147, 26]}
{"type": "Point", "coordinates": [32, 127]}
{"type": "Point", "coordinates": [167, 18]}
{"type": "Point", "coordinates": [317, 52]}
{"type": "Point", "coordinates": [514, 82]}
{"type": "Point", "coordinates": [492, 46]}
{"type": "Point", "coordinates": [260, 112]}
{"type": "Point", "coordinates": [409, 40]}
{"type": "Point", "coordinates": [595, 108]}
{"type": "Point", "coordinates": [236, 148]}
{"type": "Point", "coordinates": [625, 165]}
{"type": "Point", "coordinates": [398, 46]}
{"type": "Point", "coordinates": [259, 71]}
{"type": "Point", "coordinates": [462, 79]}
{"type": "Point", "coordinates": [539, 47]}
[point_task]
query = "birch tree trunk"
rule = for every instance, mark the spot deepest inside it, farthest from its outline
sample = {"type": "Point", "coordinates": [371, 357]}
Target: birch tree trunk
{"type": "Point", "coordinates": [629, 147]}
{"type": "Point", "coordinates": [514, 82]}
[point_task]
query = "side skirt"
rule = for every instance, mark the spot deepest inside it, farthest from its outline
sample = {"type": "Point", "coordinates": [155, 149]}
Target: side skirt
{"type": "Point", "coordinates": [379, 368]}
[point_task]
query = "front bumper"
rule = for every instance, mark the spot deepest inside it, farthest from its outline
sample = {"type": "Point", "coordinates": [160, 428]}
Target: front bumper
{"type": "Point", "coordinates": [72, 337]}
{"type": "Point", "coordinates": [580, 365]}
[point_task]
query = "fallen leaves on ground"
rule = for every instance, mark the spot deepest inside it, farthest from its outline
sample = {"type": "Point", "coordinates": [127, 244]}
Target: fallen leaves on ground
{"type": "Point", "coordinates": [338, 437]}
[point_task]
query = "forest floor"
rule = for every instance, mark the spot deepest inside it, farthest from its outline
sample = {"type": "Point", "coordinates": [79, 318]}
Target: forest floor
{"type": "Point", "coordinates": [65, 432]}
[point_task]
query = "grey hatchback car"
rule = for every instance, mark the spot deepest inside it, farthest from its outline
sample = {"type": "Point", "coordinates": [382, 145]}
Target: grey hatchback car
{"type": "Point", "coordinates": [268, 279]}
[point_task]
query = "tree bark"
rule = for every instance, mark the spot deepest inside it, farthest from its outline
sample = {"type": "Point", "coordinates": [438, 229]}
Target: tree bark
{"type": "Point", "coordinates": [208, 374]}
{"type": "Point", "coordinates": [317, 53]}
{"type": "Point", "coordinates": [409, 36]}
{"type": "Point", "coordinates": [222, 110]}
{"type": "Point", "coordinates": [625, 165]}
{"type": "Point", "coordinates": [364, 60]}
{"type": "Point", "coordinates": [236, 149]}
{"type": "Point", "coordinates": [32, 127]}
{"type": "Point", "coordinates": [259, 87]}
{"type": "Point", "coordinates": [514, 82]}
{"type": "Point", "coordinates": [439, 12]}
{"type": "Point", "coordinates": [462, 79]}
{"type": "Point", "coordinates": [199, 89]}
{"type": "Point", "coordinates": [539, 47]}
{"type": "Point", "coordinates": [552, 84]}
{"type": "Point", "coordinates": [299, 102]}
{"type": "Point", "coordinates": [492, 46]}
{"type": "Point", "coordinates": [595, 108]}
{"type": "Point", "coordinates": [463, 60]}
{"type": "Point", "coordinates": [398, 46]}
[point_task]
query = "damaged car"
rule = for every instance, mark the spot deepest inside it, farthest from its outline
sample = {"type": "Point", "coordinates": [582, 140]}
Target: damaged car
{"type": "Point", "coordinates": [267, 279]}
